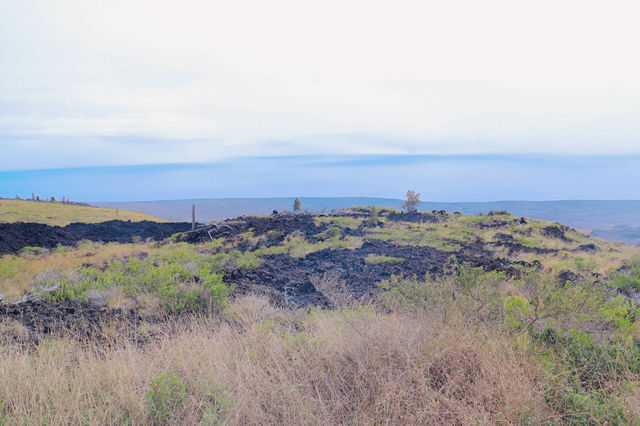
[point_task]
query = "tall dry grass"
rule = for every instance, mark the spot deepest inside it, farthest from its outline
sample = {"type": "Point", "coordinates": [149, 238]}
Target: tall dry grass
{"type": "Point", "coordinates": [264, 366]}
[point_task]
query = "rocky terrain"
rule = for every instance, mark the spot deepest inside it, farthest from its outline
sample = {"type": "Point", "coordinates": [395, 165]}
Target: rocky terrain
{"type": "Point", "coordinates": [281, 302]}
{"type": "Point", "coordinates": [301, 259]}
{"type": "Point", "coordinates": [289, 280]}
{"type": "Point", "coordinates": [15, 236]}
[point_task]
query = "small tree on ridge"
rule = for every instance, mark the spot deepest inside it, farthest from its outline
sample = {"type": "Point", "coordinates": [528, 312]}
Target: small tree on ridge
{"type": "Point", "coordinates": [412, 202]}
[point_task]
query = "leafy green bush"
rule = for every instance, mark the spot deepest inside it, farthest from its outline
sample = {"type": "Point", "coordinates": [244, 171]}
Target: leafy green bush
{"type": "Point", "coordinates": [166, 394]}
{"type": "Point", "coordinates": [629, 279]}
{"type": "Point", "coordinates": [216, 292]}
{"type": "Point", "coordinates": [70, 291]}
{"type": "Point", "coordinates": [585, 369]}
{"type": "Point", "coordinates": [407, 293]}
{"type": "Point", "coordinates": [28, 251]}
{"type": "Point", "coordinates": [178, 275]}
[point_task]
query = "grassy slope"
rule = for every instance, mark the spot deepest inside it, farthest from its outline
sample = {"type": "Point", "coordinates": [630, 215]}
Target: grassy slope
{"type": "Point", "coordinates": [63, 214]}
{"type": "Point", "coordinates": [503, 350]}
{"type": "Point", "coordinates": [91, 267]}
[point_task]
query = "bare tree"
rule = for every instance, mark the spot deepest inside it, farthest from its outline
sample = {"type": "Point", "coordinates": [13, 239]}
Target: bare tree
{"type": "Point", "coordinates": [412, 202]}
{"type": "Point", "coordinates": [297, 204]}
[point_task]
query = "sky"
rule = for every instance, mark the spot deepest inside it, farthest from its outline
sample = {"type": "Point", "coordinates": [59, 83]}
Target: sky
{"type": "Point", "coordinates": [87, 83]}
{"type": "Point", "coordinates": [437, 178]}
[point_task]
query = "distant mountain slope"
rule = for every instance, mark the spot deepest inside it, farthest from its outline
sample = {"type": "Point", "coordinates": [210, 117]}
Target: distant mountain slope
{"type": "Point", "coordinates": [58, 214]}
{"type": "Point", "coordinates": [614, 220]}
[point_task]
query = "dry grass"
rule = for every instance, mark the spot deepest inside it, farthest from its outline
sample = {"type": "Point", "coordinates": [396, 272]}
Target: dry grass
{"type": "Point", "coordinates": [264, 366]}
{"type": "Point", "coordinates": [64, 214]}
{"type": "Point", "coordinates": [19, 273]}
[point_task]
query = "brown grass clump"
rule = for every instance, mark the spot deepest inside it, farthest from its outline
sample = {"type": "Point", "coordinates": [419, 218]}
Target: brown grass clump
{"type": "Point", "coordinates": [264, 366]}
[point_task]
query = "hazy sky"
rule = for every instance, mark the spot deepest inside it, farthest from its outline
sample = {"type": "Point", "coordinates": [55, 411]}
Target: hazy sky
{"type": "Point", "coordinates": [437, 178]}
{"type": "Point", "coordinates": [86, 83]}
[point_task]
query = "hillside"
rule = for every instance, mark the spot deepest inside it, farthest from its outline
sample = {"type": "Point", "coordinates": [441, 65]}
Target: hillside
{"type": "Point", "coordinates": [615, 220]}
{"type": "Point", "coordinates": [58, 214]}
{"type": "Point", "coordinates": [286, 256]}
{"type": "Point", "coordinates": [357, 315]}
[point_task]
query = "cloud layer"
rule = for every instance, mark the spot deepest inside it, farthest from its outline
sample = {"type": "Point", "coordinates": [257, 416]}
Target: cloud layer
{"type": "Point", "coordinates": [94, 83]}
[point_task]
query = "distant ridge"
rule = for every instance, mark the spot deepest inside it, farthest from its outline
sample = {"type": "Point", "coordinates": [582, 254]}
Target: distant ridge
{"type": "Point", "coordinates": [617, 220]}
{"type": "Point", "coordinates": [224, 208]}
{"type": "Point", "coordinates": [62, 214]}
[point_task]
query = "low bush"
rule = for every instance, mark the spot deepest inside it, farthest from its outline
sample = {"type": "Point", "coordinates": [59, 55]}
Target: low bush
{"type": "Point", "coordinates": [29, 251]}
{"type": "Point", "coordinates": [177, 276]}
{"type": "Point", "coordinates": [167, 393]}
{"type": "Point", "coordinates": [629, 277]}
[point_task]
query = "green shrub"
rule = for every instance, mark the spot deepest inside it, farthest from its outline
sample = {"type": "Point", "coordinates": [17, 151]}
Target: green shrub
{"type": "Point", "coordinates": [216, 292]}
{"type": "Point", "coordinates": [400, 293]}
{"type": "Point", "coordinates": [178, 275]}
{"type": "Point", "coordinates": [28, 251]}
{"type": "Point", "coordinates": [166, 394]}
{"type": "Point", "coordinates": [498, 213]}
{"type": "Point", "coordinates": [584, 265]}
{"type": "Point", "coordinates": [70, 291]}
{"type": "Point", "coordinates": [174, 237]}
{"type": "Point", "coordinates": [585, 370]}
{"type": "Point", "coordinates": [331, 232]}
{"type": "Point", "coordinates": [374, 217]}
{"type": "Point", "coordinates": [517, 310]}
{"type": "Point", "coordinates": [219, 402]}
{"type": "Point", "coordinates": [629, 279]}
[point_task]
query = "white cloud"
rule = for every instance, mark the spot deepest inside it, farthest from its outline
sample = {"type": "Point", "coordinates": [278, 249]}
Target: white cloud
{"type": "Point", "coordinates": [210, 79]}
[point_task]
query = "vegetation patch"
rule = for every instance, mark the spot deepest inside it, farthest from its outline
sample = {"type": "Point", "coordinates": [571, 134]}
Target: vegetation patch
{"type": "Point", "coordinates": [341, 221]}
{"type": "Point", "coordinates": [418, 235]}
{"type": "Point", "coordinates": [297, 246]}
{"type": "Point", "coordinates": [58, 214]}
{"type": "Point", "coordinates": [628, 278]}
{"type": "Point", "coordinates": [506, 342]}
{"type": "Point", "coordinates": [374, 259]}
